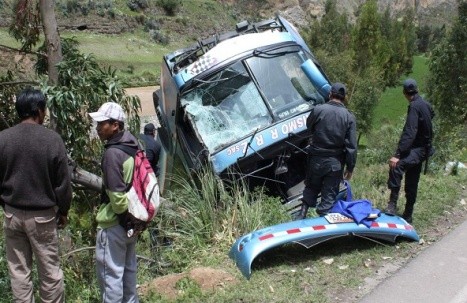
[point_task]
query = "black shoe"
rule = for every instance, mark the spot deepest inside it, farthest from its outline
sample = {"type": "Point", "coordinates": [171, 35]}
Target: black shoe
{"type": "Point", "coordinates": [407, 218]}
{"type": "Point", "coordinates": [391, 209]}
{"type": "Point", "coordinates": [303, 212]}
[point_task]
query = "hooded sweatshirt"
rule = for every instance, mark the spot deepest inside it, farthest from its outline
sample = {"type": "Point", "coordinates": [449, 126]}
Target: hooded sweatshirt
{"type": "Point", "coordinates": [117, 170]}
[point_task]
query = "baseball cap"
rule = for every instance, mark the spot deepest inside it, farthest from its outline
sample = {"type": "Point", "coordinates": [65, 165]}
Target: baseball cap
{"type": "Point", "coordinates": [410, 86]}
{"type": "Point", "coordinates": [338, 89]}
{"type": "Point", "coordinates": [107, 111]}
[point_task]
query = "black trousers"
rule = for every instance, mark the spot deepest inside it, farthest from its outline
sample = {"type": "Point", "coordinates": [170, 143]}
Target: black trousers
{"type": "Point", "coordinates": [324, 174]}
{"type": "Point", "coordinates": [411, 166]}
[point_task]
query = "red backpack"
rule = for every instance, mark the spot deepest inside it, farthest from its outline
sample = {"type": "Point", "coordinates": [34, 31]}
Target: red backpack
{"type": "Point", "coordinates": [142, 192]}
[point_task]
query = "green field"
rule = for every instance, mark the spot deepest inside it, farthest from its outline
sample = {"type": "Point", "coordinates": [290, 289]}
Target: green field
{"type": "Point", "coordinates": [393, 106]}
{"type": "Point", "coordinates": [130, 54]}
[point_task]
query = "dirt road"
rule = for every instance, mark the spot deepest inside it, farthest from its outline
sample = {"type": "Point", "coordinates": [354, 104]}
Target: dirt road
{"type": "Point", "coordinates": [148, 112]}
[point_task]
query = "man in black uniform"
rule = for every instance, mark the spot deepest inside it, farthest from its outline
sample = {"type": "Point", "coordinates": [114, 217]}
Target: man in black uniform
{"type": "Point", "coordinates": [414, 147]}
{"type": "Point", "coordinates": [152, 146]}
{"type": "Point", "coordinates": [333, 145]}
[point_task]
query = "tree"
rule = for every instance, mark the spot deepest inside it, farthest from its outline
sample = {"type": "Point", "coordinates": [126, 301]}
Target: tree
{"type": "Point", "coordinates": [447, 87]}
{"type": "Point", "coordinates": [74, 83]}
{"type": "Point", "coordinates": [370, 57]}
{"type": "Point", "coordinates": [398, 46]}
{"type": "Point", "coordinates": [366, 38]}
{"type": "Point", "coordinates": [365, 92]}
{"type": "Point", "coordinates": [410, 37]}
{"type": "Point", "coordinates": [423, 38]}
{"type": "Point", "coordinates": [332, 33]}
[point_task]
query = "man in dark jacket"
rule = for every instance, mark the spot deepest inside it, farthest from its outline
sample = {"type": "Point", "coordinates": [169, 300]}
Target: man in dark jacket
{"type": "Point", "coordinates": [415, 146]}
{"type": "Point", "coordinates": [152, 146]}
{"type": "Point", "coordinates": [333, 146]}
{"type": "Point", "coordinates": [35, 193]}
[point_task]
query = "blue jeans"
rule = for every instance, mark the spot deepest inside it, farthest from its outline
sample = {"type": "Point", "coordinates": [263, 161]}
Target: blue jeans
{"type": "Point", "coordinates": [116, 265]}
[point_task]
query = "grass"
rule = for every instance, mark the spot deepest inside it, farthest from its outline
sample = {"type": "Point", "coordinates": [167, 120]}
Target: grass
{"type": "Point", "coordinates": [8, 40]}
{"type": "Point", "coordinates": [393, 106]}
{"type": "Point", "coordinates": [134, 56]}
{"type": "Point", "coordinates": [327, 272]}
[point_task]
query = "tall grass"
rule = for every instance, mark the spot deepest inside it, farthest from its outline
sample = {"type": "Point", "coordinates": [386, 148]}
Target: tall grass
{"type": "Point", "coordinates": [206, 214]}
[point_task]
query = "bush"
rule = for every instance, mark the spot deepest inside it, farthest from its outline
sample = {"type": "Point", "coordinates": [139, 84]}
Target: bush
{"type": "Point", "coordinates": [159, 37]}
{"type": "Point", "coordinates": [137, 5]}
{"type": "Point", "coordinates": [378, 150]}
{"type": "Point", "coordinates": [151, 24]}
{"type": "Point", "coordinates": [169, 6]}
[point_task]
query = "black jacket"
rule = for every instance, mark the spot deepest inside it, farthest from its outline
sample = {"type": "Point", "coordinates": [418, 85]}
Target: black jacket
{"type": "Point", "coordinates": [333, 129]}
{"type": "Point", "coordinates": [418, 128]}
{"type": "Point", "coordinates": [153, 150]}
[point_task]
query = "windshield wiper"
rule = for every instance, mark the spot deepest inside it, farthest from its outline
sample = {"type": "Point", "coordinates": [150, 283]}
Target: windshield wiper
{"type": "Point", "coordinates": [273, 53]}
{"type": "Point", "coordinates": [249, 146]}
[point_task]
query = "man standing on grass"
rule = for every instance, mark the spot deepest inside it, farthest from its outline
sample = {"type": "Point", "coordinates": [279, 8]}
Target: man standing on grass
{"type": "Point", "coordinates": [115, 250]}
{"type": "Point", "coordinates": [333, 146]}
{"type": "Point", "coordinates": [35, 193]}
{"type": "Point", "coordinates": [415, 146]}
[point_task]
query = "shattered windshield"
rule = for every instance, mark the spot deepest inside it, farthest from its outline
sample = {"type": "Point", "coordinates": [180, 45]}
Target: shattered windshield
{"type": "Point", "coordinates": [226, 107]}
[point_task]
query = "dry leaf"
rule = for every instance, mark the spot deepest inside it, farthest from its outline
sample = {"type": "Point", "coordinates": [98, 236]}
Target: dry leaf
{"type": "Point", "coordinates": [387, 258]}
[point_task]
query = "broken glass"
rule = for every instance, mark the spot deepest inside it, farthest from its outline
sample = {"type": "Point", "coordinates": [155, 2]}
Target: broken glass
{"type": "Point", "coordinates": [226, 107]}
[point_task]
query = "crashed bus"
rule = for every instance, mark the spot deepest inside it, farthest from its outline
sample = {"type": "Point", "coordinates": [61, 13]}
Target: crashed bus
{"type": "Point", "coordinates": [238, 103]}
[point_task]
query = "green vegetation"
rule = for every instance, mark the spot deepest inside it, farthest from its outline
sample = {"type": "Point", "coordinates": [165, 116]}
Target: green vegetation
{"type": "Point", "coordinates": [392, 106]}
{"type": "Point", "coordinates": [136, 60]}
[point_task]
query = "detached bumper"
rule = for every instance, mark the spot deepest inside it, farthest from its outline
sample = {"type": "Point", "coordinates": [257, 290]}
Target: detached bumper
{"type": "Point", "coordinates": [309, 232]}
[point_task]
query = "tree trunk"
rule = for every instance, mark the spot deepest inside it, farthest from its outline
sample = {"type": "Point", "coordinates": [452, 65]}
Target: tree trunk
{"type": "Point", "coordinates": [86, 179]}
{"type": "Point", "coordinates": [52, 41]}
{"type": "Point", "coordinates": [54, 56]}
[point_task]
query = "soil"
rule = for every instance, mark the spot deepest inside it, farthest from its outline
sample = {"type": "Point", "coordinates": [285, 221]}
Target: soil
{"type": "Point", "coordinates": [145, 95]}
{"type": "Point", "coordinates": [208, 279]}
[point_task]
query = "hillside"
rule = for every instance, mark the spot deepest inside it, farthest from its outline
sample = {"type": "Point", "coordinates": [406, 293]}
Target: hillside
{"type": "Point", "coordinates": [135, 34]}
{"type": "Point", "coordinates": [198, 16]}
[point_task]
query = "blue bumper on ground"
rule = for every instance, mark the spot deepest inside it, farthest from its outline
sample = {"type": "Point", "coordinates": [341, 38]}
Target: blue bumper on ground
{"type": "Point", "coordinates": [309, 232]}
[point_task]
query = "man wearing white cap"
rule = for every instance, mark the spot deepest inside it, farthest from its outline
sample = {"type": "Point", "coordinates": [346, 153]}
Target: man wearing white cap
{"type": "Point", "coordinates": [115, 251]}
